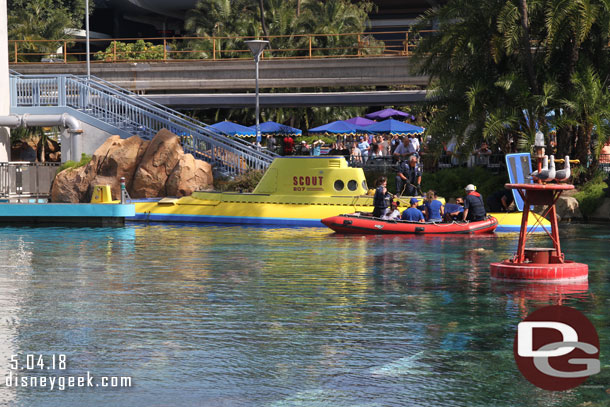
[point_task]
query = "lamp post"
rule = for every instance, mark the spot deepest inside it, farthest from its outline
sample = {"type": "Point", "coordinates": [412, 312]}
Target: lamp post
{"type": "Point", "coordinates": [87, 35]}
{"type": "Point", "coordinates": [257, 47]}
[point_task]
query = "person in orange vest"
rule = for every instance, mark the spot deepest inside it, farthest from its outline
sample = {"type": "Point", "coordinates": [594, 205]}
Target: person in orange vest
{"type": "Point", "coordinates": [474, 208]}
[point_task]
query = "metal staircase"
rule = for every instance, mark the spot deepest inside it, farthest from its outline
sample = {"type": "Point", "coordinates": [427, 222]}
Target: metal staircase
{"type": "Point", "coordinates": [118, 111]}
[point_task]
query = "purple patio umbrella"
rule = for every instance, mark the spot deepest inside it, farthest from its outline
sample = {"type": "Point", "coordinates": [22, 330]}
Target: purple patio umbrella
{"type": "Point", "coordinates": [360, 121]}
{"type": "Point", "coordinates": [386, 113]}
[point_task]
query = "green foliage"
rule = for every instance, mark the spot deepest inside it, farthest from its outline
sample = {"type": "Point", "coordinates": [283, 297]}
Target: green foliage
{"type": "Point", "coordinates": [35, 20]}
{"type": "Point", "coordinates": [496, 72]}
{"type": "Point", "coordinates": [450, 182]}
{"type": "Point", "coordinates": [238, 18]}
{"type": "Point", "coordinates": [591, 195]}
{"type": "Point", "coordinates": [139, 50]}
{"type": "Point", "coordinates": [245, 182]}
{"type": "Point", "coordinates": [84, 160]}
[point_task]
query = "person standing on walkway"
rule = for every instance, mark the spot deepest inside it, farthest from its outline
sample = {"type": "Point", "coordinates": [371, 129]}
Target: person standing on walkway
{"type": "Point", "coordinates": [364, 147]}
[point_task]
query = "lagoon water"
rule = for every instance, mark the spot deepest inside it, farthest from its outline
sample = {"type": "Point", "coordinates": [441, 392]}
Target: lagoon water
{"type": "Point", "coordinates": [244, 316]}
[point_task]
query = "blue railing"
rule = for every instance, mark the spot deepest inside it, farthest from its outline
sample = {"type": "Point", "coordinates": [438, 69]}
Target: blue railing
{"type": "Point", "coordinates": [133, 114]}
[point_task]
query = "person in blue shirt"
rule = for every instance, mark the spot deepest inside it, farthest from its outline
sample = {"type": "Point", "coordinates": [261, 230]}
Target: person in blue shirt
{"type": "Point", "coordinates": [455, 211]}
{"type": "Point", "coordinates": [412, 213]}
{"type": "Point", "coordinates": [433, 207]}
{"type": "Point", "coordinates": [317, 147]}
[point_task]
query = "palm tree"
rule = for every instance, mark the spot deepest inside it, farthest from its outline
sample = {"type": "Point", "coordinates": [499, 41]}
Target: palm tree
{"type": "Point", "coordinates": [588, 112]}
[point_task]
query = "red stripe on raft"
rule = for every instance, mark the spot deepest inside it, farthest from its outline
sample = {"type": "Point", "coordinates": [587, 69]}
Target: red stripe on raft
{"type": "Point", "coordinates": [351, 224]}
{"type": "Point", "coordinates": [568, 271]}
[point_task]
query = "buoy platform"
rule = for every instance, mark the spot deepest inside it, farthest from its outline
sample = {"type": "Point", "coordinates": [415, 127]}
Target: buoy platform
{"type": "Point", "coordinates": [539, 264]}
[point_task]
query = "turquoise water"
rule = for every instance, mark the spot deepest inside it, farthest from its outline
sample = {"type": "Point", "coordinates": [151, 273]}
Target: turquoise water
{"type": "Point", "coordinates": [243, 316]}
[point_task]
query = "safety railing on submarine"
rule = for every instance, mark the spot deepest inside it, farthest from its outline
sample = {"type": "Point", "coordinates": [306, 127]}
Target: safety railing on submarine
{"type": "Point", "coordinates": [136, 115]}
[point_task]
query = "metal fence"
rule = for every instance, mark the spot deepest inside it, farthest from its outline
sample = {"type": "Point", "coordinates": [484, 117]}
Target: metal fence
{"type": "Point", "coordinates": [22, 180]}
{"type": "Point", "coordinates": [302, 46]}
{"type": "Point", "coordinates": [132, 114]}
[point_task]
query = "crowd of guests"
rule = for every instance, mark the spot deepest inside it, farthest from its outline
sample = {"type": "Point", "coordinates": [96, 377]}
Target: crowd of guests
{"type": "Point", "coordinates": [358, 150]}
{"type": "Point", "coordinates": [470, 208]}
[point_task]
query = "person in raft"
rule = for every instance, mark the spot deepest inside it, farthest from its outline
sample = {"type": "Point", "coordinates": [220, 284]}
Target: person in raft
{"type": "Point", "coordinates": [474, 208]}
{"type": "Point", "coordinates": [455, 211]}
{"type": "Point", "coordinates": [433, 207]}
{"type": "Point", "coordinates": [412, 213]}
{"type": "Point", "coordinates": [500, 200]}
{"type": "Point", "coordinates": [393, 213]}
{"type": "Point", "coordinates": [382, 198]}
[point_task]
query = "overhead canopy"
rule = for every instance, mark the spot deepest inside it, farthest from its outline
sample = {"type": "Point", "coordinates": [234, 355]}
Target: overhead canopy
{"type": "Point", "coordinates": [386, 113]}
{"type": "Point", "coordinates": [277, 128]}
{"type": "Point", "coordinates": [338, 127]}
{"type": "Point", "coordinates": [392, 126]}
{"type": "Point", "coordinates": [360, 121]}
{"type": "Point", "coordinates": [233, 129]}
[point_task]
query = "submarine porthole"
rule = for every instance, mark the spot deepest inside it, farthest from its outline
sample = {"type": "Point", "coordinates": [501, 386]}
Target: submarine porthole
{"type": "Point", "coordinates": [339, 185]}
{"type": "Point", "coordinates": [352, 185]}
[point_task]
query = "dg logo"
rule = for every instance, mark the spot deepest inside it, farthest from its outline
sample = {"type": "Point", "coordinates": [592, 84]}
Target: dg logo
{"type": "Point", "coordinates": [557, 348]}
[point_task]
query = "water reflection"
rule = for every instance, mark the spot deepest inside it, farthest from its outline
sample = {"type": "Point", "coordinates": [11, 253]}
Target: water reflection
{"type": "Point", "coordinates": [256, 316]}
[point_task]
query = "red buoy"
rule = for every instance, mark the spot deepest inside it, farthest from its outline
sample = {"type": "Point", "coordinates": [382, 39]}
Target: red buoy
{"type": "Point", "coordinates": [539, 264]}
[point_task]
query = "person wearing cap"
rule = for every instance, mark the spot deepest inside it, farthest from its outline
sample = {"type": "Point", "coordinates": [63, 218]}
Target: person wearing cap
{"type": "Point", "coordinates": [304, 148]}
{"type": "Point", "coordinates": [364, 147]}
{"type": "Point", "coordinates": [317, 147]}
{"type": "Point", "coordinates": [382, 198]}
{"type": "Point", "coordinates": [408, 178]}
{"type": "Point", "coordinates": [412, 213]}
{"type": "Point", "coordinates": [474, 208]}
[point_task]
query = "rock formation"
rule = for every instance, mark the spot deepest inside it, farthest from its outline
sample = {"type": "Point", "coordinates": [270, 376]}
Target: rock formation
{"type": "Point", "coordinates": [153, 168]}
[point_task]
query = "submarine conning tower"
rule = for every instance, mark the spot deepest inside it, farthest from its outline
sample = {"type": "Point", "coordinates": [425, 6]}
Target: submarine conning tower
{"type": "Point", "coordinates": [317, 176]}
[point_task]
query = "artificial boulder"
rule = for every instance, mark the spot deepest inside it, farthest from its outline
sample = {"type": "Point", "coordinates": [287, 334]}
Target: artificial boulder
{"type": "Point", "coordinates": [158, 162]}
{"type": "Point", "coordinates": [155, 168]}
{"type": "Point", "coordinates": [567, 208]}
{"type": "Point", "coordinates": [187, 175]}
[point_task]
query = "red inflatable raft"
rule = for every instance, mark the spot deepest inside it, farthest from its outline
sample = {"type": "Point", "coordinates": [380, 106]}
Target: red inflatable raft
{"type": "Point", "coordinates": [357, 224]}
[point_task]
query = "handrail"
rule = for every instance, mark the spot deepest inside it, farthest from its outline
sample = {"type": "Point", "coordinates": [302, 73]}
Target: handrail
{"type": "Point", "coordinates": [125, 111]}
{"type": "Point", "coordinates": [298, 46]}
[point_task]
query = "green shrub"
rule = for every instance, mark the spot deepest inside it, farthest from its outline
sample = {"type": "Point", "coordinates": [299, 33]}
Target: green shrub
{"type": "Point", "coordinates": [450, 182]}
{"type": "Point", "coordinates": [591, 195]}
{"type": "Point", "coordinates": [84, 160]}
{"type": "Point", "coordinates": [139, 50]}
{"type": "Point", "coordinates": [245, 182]}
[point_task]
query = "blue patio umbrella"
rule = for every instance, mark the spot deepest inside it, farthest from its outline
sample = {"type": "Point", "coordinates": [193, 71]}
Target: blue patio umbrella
{"type": "Point", "coordinates": [233, 129]}
{"type": "Point", "coordinates": [386, 113]}
{"type": "Point", "coordinates": [392, 126]}
{"type": "Point", "coordinates": [277, 128]}
{"type": "Point", "coordinates": [338, 127]}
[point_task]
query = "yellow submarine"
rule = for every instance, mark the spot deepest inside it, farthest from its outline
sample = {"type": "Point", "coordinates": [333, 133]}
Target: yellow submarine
{"type": "Point", "coordinates": [295, 191]}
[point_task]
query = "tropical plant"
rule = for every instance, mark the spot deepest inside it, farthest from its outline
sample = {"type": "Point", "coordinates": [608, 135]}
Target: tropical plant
{"type": "Point", "coordinates": [139, 50]}
{"type": "Point", "coordinates": [35, 22]}
{"type": "Point", "coordinates": [498, 68]}
{"type": "Point", "coordinates": [285, 22]}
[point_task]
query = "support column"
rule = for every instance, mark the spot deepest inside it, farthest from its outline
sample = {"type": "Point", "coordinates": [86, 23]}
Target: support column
{"type": "Point", "coordinates": [5, 101]}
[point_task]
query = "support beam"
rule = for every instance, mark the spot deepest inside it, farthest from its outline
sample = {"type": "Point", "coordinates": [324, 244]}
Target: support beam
{"type": "Point", "coordinates": [5, 102]}
{"type": "Point", "coordinates": [267, 100]}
